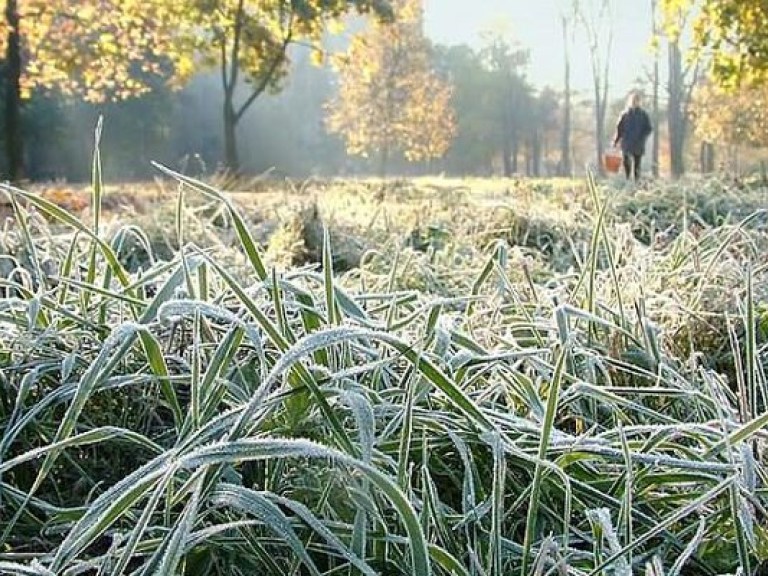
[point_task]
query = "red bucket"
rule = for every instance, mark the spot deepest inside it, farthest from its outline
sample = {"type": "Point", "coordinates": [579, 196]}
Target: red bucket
{"type": "Point", "coordinates": [612, 161]}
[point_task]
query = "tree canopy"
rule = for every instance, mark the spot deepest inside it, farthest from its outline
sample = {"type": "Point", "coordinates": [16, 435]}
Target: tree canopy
{"type": "Point", "coordinates": [94, 49]}
{"type": "Point", "coordinates": [115, 49]}
{"type": "Point", "coordinates": [97, 49]}
{"type": "Point", "coordinates": [248, 40]}
{"type": "Point", "coordinates": [733, 34]}
{"type": "Point", "coordinates": [390, 98]}
{"type": "Point", "coordinates": [739, 118]}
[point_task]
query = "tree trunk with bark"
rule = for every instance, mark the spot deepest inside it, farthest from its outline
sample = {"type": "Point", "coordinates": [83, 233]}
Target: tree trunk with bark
{"type": "Point", "coordinates": [14, 142]}
{"type": "Point", "coordinates": [655, 113]}
{"type": "Point", "coordinates": [231, 156]}
{"type": "Point", "coordinates": [536, 154]}
{"type": "Point", "coordinates": [506, 155]}
{"type": "Point", "coordinates": [676, 110]}
{"type": "Point", "coordinates": [565, 141]}
{"type": "Point", "coordinates": [506, 127]}
{"type": "Point", "coordinates": [515, 154]}
{"type": "Point", "coordinates": [707, 157]}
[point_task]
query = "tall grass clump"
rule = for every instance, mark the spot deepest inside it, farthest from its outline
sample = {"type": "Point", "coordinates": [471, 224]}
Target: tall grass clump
{"type": "Point", "coordinates": [185, 418]}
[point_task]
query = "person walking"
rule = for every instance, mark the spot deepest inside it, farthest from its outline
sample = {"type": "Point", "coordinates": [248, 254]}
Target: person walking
{"type": "Point", "coordinates": [632, 131]}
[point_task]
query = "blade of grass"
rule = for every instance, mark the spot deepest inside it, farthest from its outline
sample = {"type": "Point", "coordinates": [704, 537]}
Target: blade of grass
{"type": "Point", "coordinates": [252, 449]}
{"type": "Point", "coordinates": [546, 432]}
{"type": "Point", "coordinates": [671, 520]}
{"type": "Point", "coordinates": [243, 234]}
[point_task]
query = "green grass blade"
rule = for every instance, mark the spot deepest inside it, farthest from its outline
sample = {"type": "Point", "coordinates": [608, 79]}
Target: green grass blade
{"type": "Point", "coordinates": [257, 505]}
{"type": "Point", "coordinates": [334, 316]}
{"type": "Point", "coordinates": [547, 428]}
{"type": "Point", "coordinates": [243, 234]}
{"type": "Point", "coordinates": [174, 545]}
{"type": "Point", "coordinates": [61, 215]}
{"type": "Point", "coordinates": [671, 520]}
{"type": "Point", "coordinates": [251, 449]}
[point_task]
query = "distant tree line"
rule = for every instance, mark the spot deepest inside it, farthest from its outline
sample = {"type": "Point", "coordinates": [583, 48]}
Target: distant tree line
{"type": "Point", "coordinates": [251, 86]}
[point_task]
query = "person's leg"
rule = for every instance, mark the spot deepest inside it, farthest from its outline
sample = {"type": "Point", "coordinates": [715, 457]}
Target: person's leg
{"type": "Point", "coordinates": [638, 159]}
{"type": "Point", "coordinates": [627, 164]}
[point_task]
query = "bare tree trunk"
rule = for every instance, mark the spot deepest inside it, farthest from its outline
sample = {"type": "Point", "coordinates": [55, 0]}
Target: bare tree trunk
{"type": "Point", "coordinates": [14, 138]}
{"type": "Point", "coordinates": [600, 59]}
{"type": "Point", "coordinates": [506, 125]}
{"type": "Point", "coordinates": [600, 106]}
{"type": "Point", "coordinates": [231, 156]}
{"type": "Point", "coordinates": [655, 113]}
{"type": "Point", "coordinates": [676, 121]}
{"type": "Point", "coordinates": [604, 100]}
{"type": "Point", "coordinates": [384, 161]}
{"type": "Point", "coordinates": [707, 157]}
{"type": "Point", "coordinates": [515, 154]}
{"type": "Point", "coordinates": [536, 154]}
{"type": "Point", "coordinates": [565, 142]}
{"type": "Point", "coordinates": [506, 155]}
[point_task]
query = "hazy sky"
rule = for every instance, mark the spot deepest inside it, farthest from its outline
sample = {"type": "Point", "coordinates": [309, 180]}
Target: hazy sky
{"type": "Point", "coordinates": [536, 25]}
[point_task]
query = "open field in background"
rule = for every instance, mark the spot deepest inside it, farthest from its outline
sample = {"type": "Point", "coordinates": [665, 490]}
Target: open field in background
{"type": "Point", "coordinates": [462, 377]}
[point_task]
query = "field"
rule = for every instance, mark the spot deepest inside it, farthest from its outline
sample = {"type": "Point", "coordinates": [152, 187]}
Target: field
{"type": "Point", "coordinates": [431, 376]}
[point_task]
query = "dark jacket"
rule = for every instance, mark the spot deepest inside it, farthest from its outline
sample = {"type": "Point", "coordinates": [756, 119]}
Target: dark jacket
{"type": "Point", "coordinates": [633, 130]}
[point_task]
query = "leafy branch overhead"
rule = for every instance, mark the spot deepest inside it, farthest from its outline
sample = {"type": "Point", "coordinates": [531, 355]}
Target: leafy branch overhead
{"type": "Point", "coordinates": [248, 41]}
{"type": "Point", "coordinates": [99, 49]}
{"type": "Point", "coordinates": [116, 49]}
{"type": "Point", "coordinates": [733, 34]}
{"type": "Point", "coordinates": [113, 48]}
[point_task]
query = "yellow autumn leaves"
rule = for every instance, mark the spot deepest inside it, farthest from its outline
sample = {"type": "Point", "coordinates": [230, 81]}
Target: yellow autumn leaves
{"type": "Point", "coordinates": [731, 118]}
{"type": "Point", "coordinates": [390, 100]}
{"type": "Point", "coordinates": [99, 49]}
{"type": "Point", "coordinates": [114, 49]}
{"type": "Point", "coordinates": [731, 34]}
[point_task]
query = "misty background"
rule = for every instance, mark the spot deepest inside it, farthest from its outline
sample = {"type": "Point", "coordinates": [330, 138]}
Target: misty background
{"type": "Point", "coordinates": [285, 132]}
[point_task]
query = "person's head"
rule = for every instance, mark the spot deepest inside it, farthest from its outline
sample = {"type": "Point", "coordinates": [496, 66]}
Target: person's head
{"type": "Point", "coordinates": [634, 100]}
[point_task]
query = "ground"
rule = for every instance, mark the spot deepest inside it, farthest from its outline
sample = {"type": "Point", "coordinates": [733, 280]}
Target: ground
{"type": "Point", "coordinates": [469, 376]}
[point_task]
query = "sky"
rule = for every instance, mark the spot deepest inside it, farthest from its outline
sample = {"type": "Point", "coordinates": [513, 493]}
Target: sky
{"type": "Point", "coordinates": [536, 25]}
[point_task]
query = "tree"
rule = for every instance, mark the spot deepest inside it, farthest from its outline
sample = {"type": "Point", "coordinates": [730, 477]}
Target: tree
{"type": "Point", "coordinates": [390, 99]}
{"type": "Point", "coordinates": [112, 49]}
{"type": "Point", "coordinates": [511, 96]}
{"type": "Point", "coordinates": [679, 99]}
{"type": "Point", "coordinates": [730, 119]}
{"type": "Point", "coordinates": [474, 101]}
{"type": "Point", "coordinates": [95, 49]}
{"type": "Point", "coordinates": [248, 41]}
{"type": "Point", "coordinates": [433, 113]}
{"type": "Point", "coordinates": [500, 118]}
{"type": "Point", "coordinates": [595, 19]}
{"type": "Point", "coordinates": [682, 78]}
{"type": "Point", "coordinates": [734, 33]}
{"type": "Point", "coordinates": [656, 80]}
{"type": "Point", "coordinates": [541, 125]}
{"type": "Point", "coordinates": [566, 168]}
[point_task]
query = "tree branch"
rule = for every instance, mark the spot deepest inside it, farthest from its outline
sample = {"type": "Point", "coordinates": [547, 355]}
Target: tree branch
{"type": "Point", "coordinates": [266, 78]}
{"type": "Point", "coordinates": [234, 63]}
{"type": "Point", "coordinates": [224, 78]}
